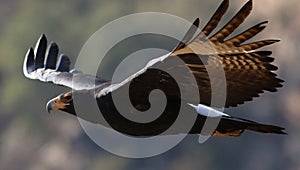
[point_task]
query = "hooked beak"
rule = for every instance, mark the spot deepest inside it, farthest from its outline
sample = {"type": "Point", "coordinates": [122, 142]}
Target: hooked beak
{"type": "Point", "coordinates": [56, 104]}
{"type": "Point", "coordinates": [50, 106]}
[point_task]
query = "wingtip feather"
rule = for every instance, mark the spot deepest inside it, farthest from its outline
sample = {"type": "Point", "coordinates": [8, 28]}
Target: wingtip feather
{"type": "Point", "coordinates": [28, 65]}
{"type": "Point", "coordinates": [51, 56]}
{"type": "Point", "coordinates": [63, 63]}
{"type": "Point", "coordinates": [39, 51]}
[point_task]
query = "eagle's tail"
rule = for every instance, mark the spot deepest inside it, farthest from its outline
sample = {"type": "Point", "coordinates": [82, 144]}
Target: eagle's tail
{"type": "Point", "coordinates": [232, 126]}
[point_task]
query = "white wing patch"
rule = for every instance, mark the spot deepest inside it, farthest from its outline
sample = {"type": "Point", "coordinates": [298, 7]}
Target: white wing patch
{"type": "Point", "coordinates": [207, 111]}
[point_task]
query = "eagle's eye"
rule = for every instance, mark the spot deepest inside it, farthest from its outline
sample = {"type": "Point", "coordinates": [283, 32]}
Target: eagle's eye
{"type": "Point", "coordinates": [66, 97]}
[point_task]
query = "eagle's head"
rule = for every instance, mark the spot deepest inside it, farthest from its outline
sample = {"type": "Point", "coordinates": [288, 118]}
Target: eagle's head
{"type": "Point", "coordinates": [63, 102]}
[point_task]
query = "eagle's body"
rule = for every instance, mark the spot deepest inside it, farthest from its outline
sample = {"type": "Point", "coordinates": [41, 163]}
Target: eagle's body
{"type": "Point", "coordinates": [248, 72]}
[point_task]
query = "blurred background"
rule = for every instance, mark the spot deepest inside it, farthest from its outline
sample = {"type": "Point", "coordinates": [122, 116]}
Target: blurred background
{"type": "Point", "coordinates": [30, 138]}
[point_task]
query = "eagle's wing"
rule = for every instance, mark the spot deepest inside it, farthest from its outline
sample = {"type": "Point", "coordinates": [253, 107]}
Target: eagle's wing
{"type": "Point", "coordinates": [248, 72]}
{"type": "Point", "coordinates": [43, 63]}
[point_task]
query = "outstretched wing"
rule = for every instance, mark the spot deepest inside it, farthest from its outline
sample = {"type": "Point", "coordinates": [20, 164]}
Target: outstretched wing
{"type": "Point", "coordinates": [248, 72]}
{"type": "Point", "coordinates": [43, 64]}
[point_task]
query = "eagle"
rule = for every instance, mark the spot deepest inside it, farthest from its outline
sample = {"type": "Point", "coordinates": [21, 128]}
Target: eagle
{"type": "Point", "coordinates": [249, 72]}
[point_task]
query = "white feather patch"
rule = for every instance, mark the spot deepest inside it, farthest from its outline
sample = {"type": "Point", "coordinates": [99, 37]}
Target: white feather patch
{"type": "Point", "coordinates": [207, 111]}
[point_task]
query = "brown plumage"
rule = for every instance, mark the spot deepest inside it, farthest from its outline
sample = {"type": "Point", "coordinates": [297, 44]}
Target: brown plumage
{"type": "Point", "coordinates": [248, 73]}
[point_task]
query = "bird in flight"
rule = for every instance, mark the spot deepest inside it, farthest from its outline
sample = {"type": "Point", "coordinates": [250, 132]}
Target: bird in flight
{"type": "Point", "coordinates": [248, 72]}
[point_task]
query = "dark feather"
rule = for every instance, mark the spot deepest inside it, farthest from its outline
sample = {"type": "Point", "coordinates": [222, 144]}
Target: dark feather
{"type": "Point", "coordinates": [63, 63]}
{"type": "Point", "coordinates": [51, 56]}
{"type": "Point", "coordinates": [246, 35]}
{"type": "Point", "coordinates": [215, 20]}
{"type": "Point", "coordinates": [189, 35]}
{"type": "Point", "coordinates": [40, 50]}
{"type": "Point", "coordinates": [233, 24]}
{"type": "Point", "coordinates": [29, 62]}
